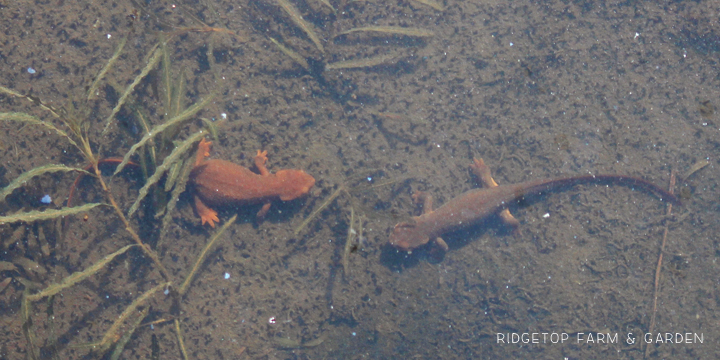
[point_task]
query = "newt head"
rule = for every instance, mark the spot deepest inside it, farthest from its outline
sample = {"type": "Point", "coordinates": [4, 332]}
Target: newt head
{"type": "Point", "coordinates": [406, 237]}
{"type": "Point", "coordinates": [296, 183]}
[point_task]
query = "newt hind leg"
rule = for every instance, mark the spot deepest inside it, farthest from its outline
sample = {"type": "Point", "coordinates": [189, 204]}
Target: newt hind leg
{"type": "Point", "coordinates": [484, 174]}
{"type": "Point", "coordinates": [425, 200]}
{"type": "Point", "coordinates": [260, 160]}
{"type": "Point", "coordinates": [207, 215]}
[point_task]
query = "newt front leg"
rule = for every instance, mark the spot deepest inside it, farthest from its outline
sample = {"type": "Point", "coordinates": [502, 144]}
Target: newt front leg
{"type": "Point", "coordinates": [421, 197]}
{"type": "Point", "coordinates": [207, 215]}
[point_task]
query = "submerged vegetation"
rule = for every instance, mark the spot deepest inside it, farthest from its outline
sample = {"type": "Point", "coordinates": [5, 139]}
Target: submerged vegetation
{"type": "Point", "coordinates": [336, 57]}
{"type": "Point", "coordinates": [163, 141]}
{"type": "Point", "coordinates": [164, 148]}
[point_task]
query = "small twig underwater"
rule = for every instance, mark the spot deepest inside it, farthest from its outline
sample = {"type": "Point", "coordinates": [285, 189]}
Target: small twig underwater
{"type": "Point", "coordinates": [659, 265]}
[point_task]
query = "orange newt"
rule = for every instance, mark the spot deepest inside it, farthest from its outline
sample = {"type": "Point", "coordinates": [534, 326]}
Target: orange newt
{"type": "Point", "coordinates": [475, 205]}
{"type": "Point", "coordinates": [219, 182]}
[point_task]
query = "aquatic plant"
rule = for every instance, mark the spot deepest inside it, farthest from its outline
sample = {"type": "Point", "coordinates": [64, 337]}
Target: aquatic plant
{"type": "Point", "coordinates": [332, 56]}
{"type": "Point", "coordinates": [162, 149]}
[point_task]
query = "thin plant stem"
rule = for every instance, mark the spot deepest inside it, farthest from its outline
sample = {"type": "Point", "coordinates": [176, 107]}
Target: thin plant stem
{"type": "Point", "coordinates": [146, 249]}
{"type": "Point", "coordinates": [659, 265]}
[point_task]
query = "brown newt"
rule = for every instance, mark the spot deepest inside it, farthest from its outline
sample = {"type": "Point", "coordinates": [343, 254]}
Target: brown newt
{"type": "Point", "coordinates": [220, 182]}
{"type": "Point", "coordinates": [475, 205]}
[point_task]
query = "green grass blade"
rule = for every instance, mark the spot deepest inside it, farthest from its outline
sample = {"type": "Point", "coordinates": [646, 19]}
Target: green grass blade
{"type": "Point", "coordinates": [211, 128]}
{"type": "Point", "coordinates": [360, 63]}
{"type": "Point", "coordinates": [169, 160]}
{"type": "Point", "coordinates": [47, 214]}
{"type": "Point", "coordinates": [166, 76]}
{"type": "Point", "coordinates": [308, 28]}
{"type": "Point", "coordinates": [348, 243]}
{"type": "Point", "coordinates": [292, 54]}
{"type": "Point", "coordinates": [7, 266]}
{"type": "Point", "coordinates": [128, 334]}
{"type": "Point", "coordinates": [188, 113]}
{"type": "Point", "coordinates": [432, 3]}
{"type": "Point", "coordinates": [179, 188]}
{"type": "Point", "coordinates": [25, 177]}
{"type": "Point", "coordinates": [112, 334]}
{"type": "Point", "coordinates": [106, 68]}
{"type": "Point", "coordinates": [29, 119]}
{"type": "Point", "coordinates": [328, 4]}
{"type": "Point", "coordinates": [151, 148]}
{"type": "Point", "coordinates": [25, 315]}
{"type": "Point", "coordinates": [204, 253]}
{"type": "Point", "coordinates": [173, 175]}
{"type": "Point", "coordinates": [76, 277]}
{"type": "Point", "coordinates": [154, 60]}
{"type": "Point", "coordinates": [181, 342]}
{"type": "Point", "coordinates": [395, 30]}
{"type": "Point", "coordinates": [176, 101]}
{"type": "Point", "coordinates": [10, 92]}
{"type": "Point", "coordinates": [319, 209]}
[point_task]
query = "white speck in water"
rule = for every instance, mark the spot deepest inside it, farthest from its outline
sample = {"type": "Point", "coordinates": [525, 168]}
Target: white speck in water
{"type": "Point", "coordinates": [46, 199]}
{"type": "Point", "coordinates": [546, 215]}
{"type": "Point", "coordinates": [223, 115]}
{"type": "Point", "coordinates": [166, 292]}
{"type": "Point", "coordinates": [227, 276]}
{"type": "Point", "coordinates": [353, 334]}
{"type": "Point", "coordinates": [31, 70]}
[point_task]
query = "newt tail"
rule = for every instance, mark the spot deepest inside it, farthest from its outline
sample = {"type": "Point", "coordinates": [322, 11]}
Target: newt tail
{"type": "Point", "coordinates": [536, 187]}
